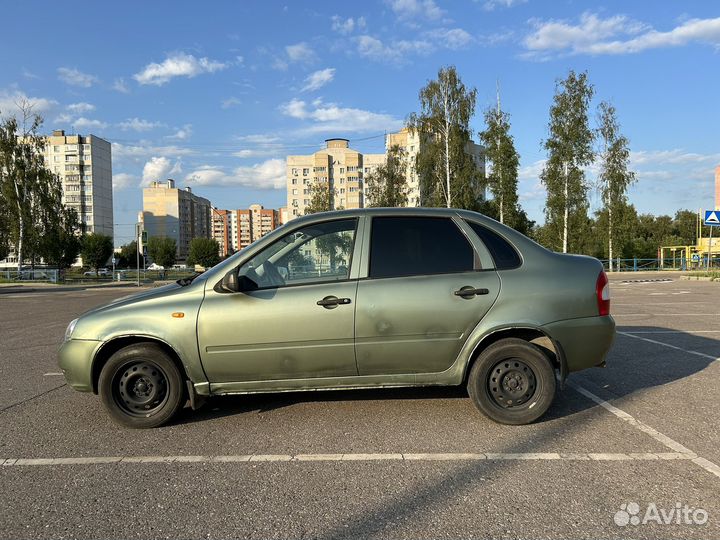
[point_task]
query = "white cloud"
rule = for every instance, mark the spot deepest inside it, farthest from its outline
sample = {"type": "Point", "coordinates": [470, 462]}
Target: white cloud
{"type": "Point", "coordinates": [75, 77]}
{"type": "Point", "coordinates": [347, 26]}
{"type": "Point", "coordinates": [269, 174]}
{"type": "Point", "coordinates": [259, 138]}
{"type": "Point", "coordinates": [63, 118]}
{"type": "Point", "coordinates": [300, 52]}
{"type": "Point", "coordinates": [182, 134]}
{"type": "Point", "coordinates": [138, 124]}
{"type": "Point", "coordinates": [159, 168]}
{"type": "Point", "coordinates": [415, 9]}
{"type": "Point", "coordinates": [79, 108]}
{"type": "Point", "coordinates": [332, 119]}
{"type": "Point", "coordinates": [9, 99]}
{"type": "Point", "coordinates": [230, 102]}
{"type": "Point", "coordinates": [614, 35]}
{"type": "Point", "coordinates": [121, 86]}
{"type": "Point", "coordinates": [87, 124]}
{"type": "Point", "coordinates": [177, 65]}
{"type": "Point", "coordinates": [144, 149]}
{"type": "Point", "coordinates": [124, 180]}
{"type": "Point", "coordinates": [452, 38]}
{"type": "Point", "coordinates": [490, 5]}
{"type": "Point", "coordinates": [318, 79]}
{"type": "Point", "coordinates": [676, 156]}
{"type": "Point", "coordinates": [395, 51]}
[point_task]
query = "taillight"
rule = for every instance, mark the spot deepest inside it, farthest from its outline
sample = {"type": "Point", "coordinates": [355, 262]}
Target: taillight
{"type": "Point", "coordinates": [602, 289]}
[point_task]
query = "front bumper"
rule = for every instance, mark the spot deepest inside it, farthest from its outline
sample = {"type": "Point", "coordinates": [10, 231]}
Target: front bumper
{"type": "Point", "coordinates": [75, 359]}
{"type": "Point", "coordinates": [585, 342]}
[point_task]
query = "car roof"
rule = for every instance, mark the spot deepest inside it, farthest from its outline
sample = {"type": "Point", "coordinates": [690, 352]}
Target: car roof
{"type": "Point", "coordinates": [381, 211]}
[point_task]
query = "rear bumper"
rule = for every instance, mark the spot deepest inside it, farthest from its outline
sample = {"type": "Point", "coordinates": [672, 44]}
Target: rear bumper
{"type": "Point", "coordinates": [585, 342]}
{"type": "Point", "coordinates": [75, 359]}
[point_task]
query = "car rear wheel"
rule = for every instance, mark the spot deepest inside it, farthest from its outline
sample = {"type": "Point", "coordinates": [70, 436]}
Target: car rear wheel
{"type": "Point", "coordinates": [512, 382]}
{"type": "Point", "coordinates": [141, 387]}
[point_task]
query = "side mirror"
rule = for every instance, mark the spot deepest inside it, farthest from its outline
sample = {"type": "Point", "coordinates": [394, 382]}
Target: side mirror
{"type": "Point", "coordinates": [229, 282]}
{"type": "Point", "coordinates": [245, 284]}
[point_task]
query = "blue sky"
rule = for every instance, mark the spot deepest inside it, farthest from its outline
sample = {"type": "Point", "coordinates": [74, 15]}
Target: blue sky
{"type": "Point", "coordinates": [216, 94]}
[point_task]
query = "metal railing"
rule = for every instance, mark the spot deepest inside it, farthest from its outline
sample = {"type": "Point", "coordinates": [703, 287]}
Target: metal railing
{"type": "Point", "coordinates": [677, 263]}
{"type": "Point", "coordinates": [37, 275]}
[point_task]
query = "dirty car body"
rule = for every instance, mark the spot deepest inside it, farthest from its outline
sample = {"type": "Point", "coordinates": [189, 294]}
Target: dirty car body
{"type": "Point", "coordinates": [354, 299]}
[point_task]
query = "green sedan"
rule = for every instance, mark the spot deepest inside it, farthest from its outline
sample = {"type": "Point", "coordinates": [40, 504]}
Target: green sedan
{"type": "Point", "coordinates": [354, 299]}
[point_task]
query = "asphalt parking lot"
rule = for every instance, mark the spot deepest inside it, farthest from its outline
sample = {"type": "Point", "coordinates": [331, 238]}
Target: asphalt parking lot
{"type": "Point", "coordinates": [642, 433]}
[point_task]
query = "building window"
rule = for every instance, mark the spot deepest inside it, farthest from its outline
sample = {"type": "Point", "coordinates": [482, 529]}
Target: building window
{"type": "Point", "coordinates": [306, 172]}
{"type": "Point", "coordinates": [294, 191]}
{"type": "Point", "coordinates": [295, 171]}
{"type": "Point", "coordinates": [342, 170]}
{"type": "Point", "coordinates": [294, 181]}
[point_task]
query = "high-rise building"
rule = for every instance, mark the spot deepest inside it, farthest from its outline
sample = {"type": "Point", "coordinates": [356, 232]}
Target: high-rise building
{"type": "Point", "coordinates": [338, 165]}
{"type": "Point", "coordinates": [176, 213]}
{"type": "Point", "coordinates": [236, 229]}
{"type": "Point", "coordinates": [717, 187]}
{"type": "Point", "coordinates": [410, 143]}
{"type": "Point", "coordinates": [84, 165]}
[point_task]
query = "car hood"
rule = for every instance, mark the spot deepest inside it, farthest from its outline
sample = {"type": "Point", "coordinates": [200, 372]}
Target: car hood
{"type": "Point", "coordinates": [135, 298]}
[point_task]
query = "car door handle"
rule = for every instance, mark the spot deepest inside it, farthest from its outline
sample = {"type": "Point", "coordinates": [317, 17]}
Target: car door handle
{"type": "Point", "coordinates": [469, 292]}
{"type": "Point", "coordinates": [330, 302]}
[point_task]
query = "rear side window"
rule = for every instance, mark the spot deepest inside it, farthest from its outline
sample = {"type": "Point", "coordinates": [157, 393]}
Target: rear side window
{"type": "Point", "coordinates": [504, 255]}
{"type": "Point", "coordinates": [411, 246]}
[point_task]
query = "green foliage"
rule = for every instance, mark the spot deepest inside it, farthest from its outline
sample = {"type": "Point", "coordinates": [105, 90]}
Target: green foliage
{"type": "Point", "coordinates": [162, 250]}
{"type": "Point", "coordinates": [322, 198]}
{"type": "Point", "coordinates": [128, 255]}
{"type": "Point", "coordinates": [503, 161]}
{"type": "Point", "coordinates": [96, 250]}
{"type": "Point", "coordinates": [447, 173]}
{"type": "Point", "coordinates": [204, 251]}
{"type": "Point", "coordinates": [387, 186]}
{"type": "Point", "coordinates": [569, 148]}
{"type": "Point", "coordinates": [33, 218]}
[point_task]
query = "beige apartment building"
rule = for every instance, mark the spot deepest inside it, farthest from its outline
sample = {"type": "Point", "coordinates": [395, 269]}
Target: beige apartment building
{"type": "Point", "coordinates": [176, 213]}
{"type": "Point", "coordinates": [410, 143]}
{"type": "Point", "coordinates": [84, 165]}
{"type": "Point", "coordinates": [337, 164]}
{"type": "Point", "coordinates": [237, 229]}
{"type": "Point", "coordinates": [345, 169]}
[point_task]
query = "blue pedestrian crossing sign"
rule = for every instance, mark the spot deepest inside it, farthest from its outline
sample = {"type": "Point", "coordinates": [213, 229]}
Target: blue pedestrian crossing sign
{"type": "Point", "coordinates": [712, 218]}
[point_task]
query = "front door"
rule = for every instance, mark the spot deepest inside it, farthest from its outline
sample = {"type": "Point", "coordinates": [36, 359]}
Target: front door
{"type": "Point", "coordinates": [295, 319]}
{"type": "Point", "coordinates": [425, 292]}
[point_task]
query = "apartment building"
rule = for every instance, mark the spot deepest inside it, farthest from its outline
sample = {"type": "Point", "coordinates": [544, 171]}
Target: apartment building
{"type": "Point", "coordinates": [84, 165]}
{"type": "Point", "coordinates": [176, 213]}
{"type": "Point", "coordinates": [410, 143]}
{"type": "Point", "coordinates": [236, 229]}
{"type": "Point", "coordinates": [343, 168]}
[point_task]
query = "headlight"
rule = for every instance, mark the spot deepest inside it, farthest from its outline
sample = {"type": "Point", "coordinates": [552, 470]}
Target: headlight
{"type": "Point", "coordinates": [70, 328]}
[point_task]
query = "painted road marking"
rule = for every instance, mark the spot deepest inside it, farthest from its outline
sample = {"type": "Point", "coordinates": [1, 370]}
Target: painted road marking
{"type": "Point", "coordinates": [52, 374]}
{"type": "Point", "coordinates": [686, 351]}
{"type": "Point", "coordinates": [286, 458]}
{"type": "Point", "coordinates": [627, 332]}
{"type": "Point", "coordinates": [679, 451]}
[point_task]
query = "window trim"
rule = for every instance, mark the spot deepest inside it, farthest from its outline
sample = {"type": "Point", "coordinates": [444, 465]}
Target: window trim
{"type": "Point", "coordinates": [451, 219]}
{"type": "Point", "coordinates": [503, 237]}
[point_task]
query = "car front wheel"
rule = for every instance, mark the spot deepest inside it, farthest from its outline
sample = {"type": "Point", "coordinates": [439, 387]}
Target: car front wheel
{"type": "Point", "coordinates": [512, 382]}
{"type": "Point", "coordinates": [141, 387]}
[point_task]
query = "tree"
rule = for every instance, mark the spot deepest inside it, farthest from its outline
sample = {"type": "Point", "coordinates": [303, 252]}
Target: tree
{"type": "Point", "coordinates": [447, 173]}
{"type": "Point", "coordinates": [162, 250]}
{"type": "Point", "coordinates": [504, 161]}
{"type": "Point", "coordinates": [204, 251]}
{"type": "Point", "coordinates": [322, 197]}
{"type": "Point", "coordinates": [96, 250]}
{"type": "Point", "coordinates": [614, 178]}
{"type": "Point", "coordinates": [27, 187]}
{"type": "Point", "coordinates": [387, 185]}
{"type": "Point", "coordinates": [128, 255]}
{"type": "Point", "coordinates": [569, 149]}
{"type": "Point", "coordinates": [61, 243]}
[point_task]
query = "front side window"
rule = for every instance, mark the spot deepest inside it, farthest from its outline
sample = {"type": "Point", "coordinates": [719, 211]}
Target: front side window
{"type": "Point", "coordinates": [317, 253]}
{"type": "Point", "coordinates": [411, 246]}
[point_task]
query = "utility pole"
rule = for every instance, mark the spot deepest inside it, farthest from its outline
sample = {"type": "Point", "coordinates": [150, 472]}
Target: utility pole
{"type": "Point", "coordinates": [138, 240]}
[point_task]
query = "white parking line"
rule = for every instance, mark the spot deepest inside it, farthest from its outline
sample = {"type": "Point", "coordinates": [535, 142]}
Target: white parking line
{"type": "Point", "coordinates": [678, 449]}
{"type": "Point", "coordinates": [255, 458]}
{"type": "Point", "coordinates": [696, 353]}
{"type": "Point", "coordinates": [633, 332]}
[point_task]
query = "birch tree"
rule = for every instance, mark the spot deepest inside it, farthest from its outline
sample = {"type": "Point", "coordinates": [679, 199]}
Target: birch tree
{"type": "Point", "coordinates": [448, 176]}
{"type": "Point", "coordinates": [503, 161]}
{"type": "Point", "coordinates": [569, 148]}
{"type": "Point", "coordinates": [387, 185]}
{"type": "Point", "coordinates": [615, 177]}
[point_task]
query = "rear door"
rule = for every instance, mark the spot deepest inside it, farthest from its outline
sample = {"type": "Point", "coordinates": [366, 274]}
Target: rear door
{"type": "Point", "coordinates": [427, 288]}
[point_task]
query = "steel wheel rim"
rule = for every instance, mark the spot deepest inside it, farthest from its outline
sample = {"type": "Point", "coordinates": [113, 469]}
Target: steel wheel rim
{"type": "Point", "coordinates": [511, 383]}
{"type": "Point", "coordinates": [140, 388]}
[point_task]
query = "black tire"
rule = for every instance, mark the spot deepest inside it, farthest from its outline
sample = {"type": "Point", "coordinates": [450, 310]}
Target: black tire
{"type": "Point", "coordinates": [512, 382]}
{"type": "Point", "coordinates": [141, 387]}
